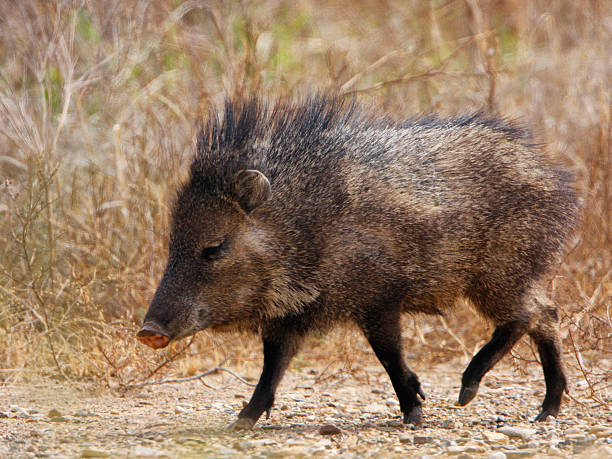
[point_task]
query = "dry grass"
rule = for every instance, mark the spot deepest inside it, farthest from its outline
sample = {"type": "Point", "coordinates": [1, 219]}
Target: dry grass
{"type": "Point", "coordinates": [98, 105]}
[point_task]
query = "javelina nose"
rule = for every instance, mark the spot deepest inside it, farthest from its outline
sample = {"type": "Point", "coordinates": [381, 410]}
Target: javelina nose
{"type": "Point", "coordinates": [152, 336]}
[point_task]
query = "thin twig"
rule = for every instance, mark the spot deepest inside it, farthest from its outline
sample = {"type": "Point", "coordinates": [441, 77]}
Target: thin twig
{"type": "Point", "coordinates": [213, 370]}
{"type": "Point", "coordinates": [171, 359]}
{"type": "Point", "coordinates": [584, 372]}
{"type": "Point", "coordinates": [466, 353]}
{"type": "Point", "coordinates": [432, 71]}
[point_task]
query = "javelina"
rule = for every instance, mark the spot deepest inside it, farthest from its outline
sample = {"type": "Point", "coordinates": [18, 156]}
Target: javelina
{"type": "Point", "coordinates": [300, 215]}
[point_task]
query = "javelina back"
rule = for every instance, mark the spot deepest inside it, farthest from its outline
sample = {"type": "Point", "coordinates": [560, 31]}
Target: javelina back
{"type": "Point", "coordinates": [297, 216]}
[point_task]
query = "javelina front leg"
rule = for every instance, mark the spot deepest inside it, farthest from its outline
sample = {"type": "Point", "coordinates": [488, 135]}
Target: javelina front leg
{"type": "Point", "coordinates": [384, 335]}
{"type": "Point", "coordinates": [279, 346]}
{"type": "Point", "coordinates": [504, 338]}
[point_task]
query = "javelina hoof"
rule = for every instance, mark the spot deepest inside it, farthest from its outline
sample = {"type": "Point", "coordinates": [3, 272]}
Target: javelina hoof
{"type": "Point", "coordinates": [414, 416]}
{"type": "Point", "coordinates": [241, 424]}
{"type": "Point", "coordinates": [545, 413]}
{"type": "Point", "coordinates": [467, 394]}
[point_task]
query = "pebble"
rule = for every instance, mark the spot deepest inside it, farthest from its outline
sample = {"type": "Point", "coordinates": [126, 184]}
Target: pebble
{"type": "Point", "coordinates": [510, 454]}
{"type": "Point", "coordinates": [147, 452]}
{"type": "Point", "coordinates": [604, 433]}
{"type": "Point", "coordinates": [392, 402]}
{"type": "Point", "coordinates": [54, 413]}
{"type": "Point", "coordinates": [465, 449]}
{"type": "Point", "coordinates": [405, 438]}
{"type": "Point", "coordinates": [494, 437]}
{"type": "Point", "coordinates": [178, 409]}
{"type": "Point", "coordinates": [420, 440]}
{"type": "Point", "coordinates": [243, 446]}
{"type": "Point", "coordinates": [576, 437]}
{"type": "Point", "coordinates": [94, 453]}
{"type": "Point", "coordinates": [329, 429]}
{"type": "Point", "coordinates": [376, 408]}
{"type": "Point", "coordinates": [517, 432]}
{"type": "Point", "coordinates": [497, 455]}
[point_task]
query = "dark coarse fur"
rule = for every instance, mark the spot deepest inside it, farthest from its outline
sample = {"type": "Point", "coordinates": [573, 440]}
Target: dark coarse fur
{"type": "Point", "coordinates": [300, 215]}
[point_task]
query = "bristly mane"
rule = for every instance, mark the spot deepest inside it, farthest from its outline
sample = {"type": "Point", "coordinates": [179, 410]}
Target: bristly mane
{"type": "Point", "coordinates": [252, 133]}
{"type": "Point", "coordinates": [255, 134]}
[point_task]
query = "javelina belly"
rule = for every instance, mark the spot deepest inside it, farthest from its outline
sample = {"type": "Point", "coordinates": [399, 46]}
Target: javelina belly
{"type": "Point", "coordinates": [300, 215]}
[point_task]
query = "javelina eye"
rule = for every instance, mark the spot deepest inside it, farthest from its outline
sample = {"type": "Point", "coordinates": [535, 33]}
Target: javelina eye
{"type": "Point", "coordinates": [212, 252]}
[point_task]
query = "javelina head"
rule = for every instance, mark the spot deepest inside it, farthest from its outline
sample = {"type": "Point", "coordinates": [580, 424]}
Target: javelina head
{"type": "Point", "coordinates": [216, 261]}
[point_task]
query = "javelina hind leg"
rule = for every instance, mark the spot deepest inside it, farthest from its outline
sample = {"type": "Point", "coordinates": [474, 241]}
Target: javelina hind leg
{"type": "Point", "coordinates": [279, 346]}
{"type": "Point", "coordinates": [384, 334]}
{"type": "Point", "coordinates": [546, 338]}
{"type": "Point", "coordinates": [504, 338]}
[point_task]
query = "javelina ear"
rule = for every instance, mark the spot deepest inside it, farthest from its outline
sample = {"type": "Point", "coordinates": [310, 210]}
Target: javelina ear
{"type": "Point", "coordinates": [251, 189]}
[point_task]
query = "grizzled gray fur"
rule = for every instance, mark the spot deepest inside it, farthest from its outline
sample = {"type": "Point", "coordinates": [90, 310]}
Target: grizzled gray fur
{"type": "Point", "coordinates": [300, 215]}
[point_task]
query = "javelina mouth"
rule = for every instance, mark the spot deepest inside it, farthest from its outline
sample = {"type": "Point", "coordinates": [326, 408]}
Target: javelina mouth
{"type": "Point", "coordinates": [151, 336]}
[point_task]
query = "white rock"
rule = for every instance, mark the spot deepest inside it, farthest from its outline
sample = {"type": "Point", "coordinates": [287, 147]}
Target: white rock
{"type": "Point", "coordinates": [518, 432]}
{"type": "Point", "coordinates": [148, 452]}
{"type": "Point", "coordinates": [494, 437]}
{"type": "Point", "coordinates": [376, 408]}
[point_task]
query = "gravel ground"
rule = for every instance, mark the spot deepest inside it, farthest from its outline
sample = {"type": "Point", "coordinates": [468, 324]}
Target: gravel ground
{"type": "Point", "coordinates": [337, 416]}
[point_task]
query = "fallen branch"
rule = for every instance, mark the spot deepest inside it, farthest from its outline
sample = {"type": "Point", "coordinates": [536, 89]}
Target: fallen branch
{"type": "Point", "coordinates": [213, 370]}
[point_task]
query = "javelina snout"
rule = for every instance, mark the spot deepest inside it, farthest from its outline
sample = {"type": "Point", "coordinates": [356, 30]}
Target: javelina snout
{"type": "Point", "coordinates": [216, 262]}
{"type": "Point", "coordinates": [299, 216]}
{"type": "Point", "coordinates": [151, 335]}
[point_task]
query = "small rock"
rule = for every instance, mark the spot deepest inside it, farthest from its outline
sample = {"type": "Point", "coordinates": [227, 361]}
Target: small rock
{"type": "Point", "coordinates": [420, 440]}
{"type": "Point", "coordinates": [494, 437]}
{"type": "Point", "coordinates": [517, 432]}
{"type": "Point", "coordinates": [178, 409]}
{"type": "Point", "coordinates": [497, 455]}
{"type": "Point", "coordinates": [391, 402]}
{"type": "Point", "coordinates": [243, 446]}
{"type": "Point", "coordinates": [515, 454]}
{"type": "Point", "coordinates": [94, 453]}
{"type": "Point", "coordinates": [148, 452]}
{"type": "Point", "coordinates": [376, 408]}
{"type": "Point", "coordinates": [405, 438]}
{"type": "Point", "coordinates": [576, 437]}
{"type": "Point", "coordinates": [54, 413]}
{"type": "Point", "coordinates": [329, 429]}
{"type": "Point", "coordinates": [465, 449]}
{"type": "Point", "coordinates": [604, 433]}
{"type": "Point", "coordinates": [21, 412]}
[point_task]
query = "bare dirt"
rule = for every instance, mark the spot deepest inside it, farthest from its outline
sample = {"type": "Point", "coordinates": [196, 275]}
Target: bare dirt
{"type": "Point", "coordinates": [189, 419]}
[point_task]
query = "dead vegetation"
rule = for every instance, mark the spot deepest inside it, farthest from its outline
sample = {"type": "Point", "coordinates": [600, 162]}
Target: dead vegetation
{"type": "Point", "coordinates": [99, 102]}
